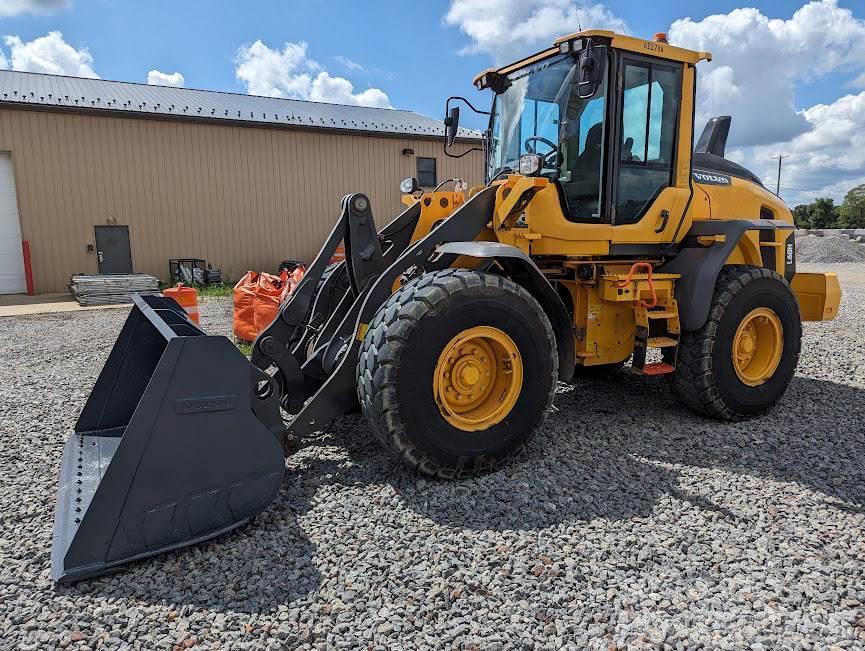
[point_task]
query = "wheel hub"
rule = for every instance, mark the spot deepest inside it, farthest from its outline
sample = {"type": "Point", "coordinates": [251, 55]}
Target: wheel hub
{"type": "Point", "coordinates": [757, 346]}
{"type": "Point", "coordinates": [478, 378]}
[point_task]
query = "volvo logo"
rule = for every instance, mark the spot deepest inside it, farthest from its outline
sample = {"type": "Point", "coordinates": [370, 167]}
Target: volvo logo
{"type": "Point", "coordinates": [710, 178]}
{"type": "Point", "coordinates": [205, 404]}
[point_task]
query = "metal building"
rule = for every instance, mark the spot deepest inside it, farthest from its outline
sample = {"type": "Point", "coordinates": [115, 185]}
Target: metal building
{"type": "Point", "coordinates": [103, 176]}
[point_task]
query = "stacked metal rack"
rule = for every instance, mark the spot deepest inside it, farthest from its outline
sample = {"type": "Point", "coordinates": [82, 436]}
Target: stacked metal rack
{"type": "Point", "coordinates": [110, 289]}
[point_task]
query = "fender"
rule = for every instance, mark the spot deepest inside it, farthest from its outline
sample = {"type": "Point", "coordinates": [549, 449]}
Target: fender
{"type": "Point", "coordinates": [523, 271]}
{"type": "Point", "coordinates": [700, 265]}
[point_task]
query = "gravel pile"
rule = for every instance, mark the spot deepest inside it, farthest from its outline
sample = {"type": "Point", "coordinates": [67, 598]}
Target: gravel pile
{"type": "Point", "coordinates": [810, 248]}
{"type": "Point", "coordinates": [630, 523]}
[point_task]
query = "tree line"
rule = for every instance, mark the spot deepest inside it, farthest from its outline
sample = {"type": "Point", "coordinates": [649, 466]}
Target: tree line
{"type": "Point", "coordinates": [823, 213]}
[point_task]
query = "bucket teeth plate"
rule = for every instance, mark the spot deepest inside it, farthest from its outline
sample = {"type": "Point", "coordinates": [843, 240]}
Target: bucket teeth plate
{"type": "Point", "coordinates": [85, 459]}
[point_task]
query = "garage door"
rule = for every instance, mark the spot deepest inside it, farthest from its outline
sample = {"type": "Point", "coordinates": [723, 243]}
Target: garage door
{"type": "Point", "coordinates": [11, 258]}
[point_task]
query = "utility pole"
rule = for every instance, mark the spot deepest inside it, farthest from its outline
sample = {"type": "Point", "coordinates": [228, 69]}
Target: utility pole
{"type": "Point", "coordinates": [778, 187]}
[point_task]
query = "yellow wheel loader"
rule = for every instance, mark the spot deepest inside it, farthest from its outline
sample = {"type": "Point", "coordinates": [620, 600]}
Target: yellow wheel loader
{"type": "Point", "coordinates": [603, 237]}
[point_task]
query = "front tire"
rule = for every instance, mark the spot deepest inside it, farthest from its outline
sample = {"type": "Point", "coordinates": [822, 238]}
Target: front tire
{"type": "Point", "coordinates": [449, 336]}
{"type": "Point", "coordinates": [741, 361]}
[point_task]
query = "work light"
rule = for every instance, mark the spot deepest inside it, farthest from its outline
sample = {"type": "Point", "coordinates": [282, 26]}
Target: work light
{"type": "Point", "coordinates": [530, 164]}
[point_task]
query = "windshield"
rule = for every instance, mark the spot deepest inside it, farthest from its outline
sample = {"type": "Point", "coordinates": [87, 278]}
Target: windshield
{"type": "Point", "coordinates": [541, 112]}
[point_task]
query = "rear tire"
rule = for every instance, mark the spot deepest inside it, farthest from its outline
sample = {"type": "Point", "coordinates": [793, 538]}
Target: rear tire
{"type": "Point", "coordinates": [402, 353]}
{"type": "Point", "coordinates": [706, 379]}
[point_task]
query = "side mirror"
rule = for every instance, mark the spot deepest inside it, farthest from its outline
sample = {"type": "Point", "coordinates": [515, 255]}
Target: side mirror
{"type": "Point", "coordinates": [590, 71]}
{"type": "Point", "coordinates": [452, 123]}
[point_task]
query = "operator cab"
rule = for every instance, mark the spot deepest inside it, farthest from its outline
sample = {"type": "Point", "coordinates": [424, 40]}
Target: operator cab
{"type": "Point", "coordinates": [545, 110]}
{"type": "Point", "coordinates": [600, 115]}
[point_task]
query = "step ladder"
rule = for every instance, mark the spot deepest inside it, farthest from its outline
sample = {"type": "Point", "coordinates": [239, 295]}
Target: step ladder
{"type": "Point", "coordinates": [664, 312]}
{"type": "Point", "coordinates": [647, 336]}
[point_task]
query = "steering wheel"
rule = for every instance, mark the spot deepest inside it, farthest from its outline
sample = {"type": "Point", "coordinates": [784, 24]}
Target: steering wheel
{"type": "Point", "coordinates": [549, 159]}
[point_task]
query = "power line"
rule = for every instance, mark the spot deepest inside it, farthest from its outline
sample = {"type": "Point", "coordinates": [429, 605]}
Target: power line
{"type": "Point", "coordinates": [790, 187]}
{"type": "Point", "coordinates": [765, 156]}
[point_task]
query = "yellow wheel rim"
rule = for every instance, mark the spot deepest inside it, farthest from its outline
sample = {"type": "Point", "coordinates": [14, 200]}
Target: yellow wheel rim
{"type": "Point", "coordinates": [478, 378]}
{"type": "Point", "coordinates": [757, 346]}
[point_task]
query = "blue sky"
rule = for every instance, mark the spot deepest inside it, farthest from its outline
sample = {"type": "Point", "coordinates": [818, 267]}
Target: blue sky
{"type": "Point", "coordinates": [414, 54]}
{"type": "Point", "coordinates": [405, 48]}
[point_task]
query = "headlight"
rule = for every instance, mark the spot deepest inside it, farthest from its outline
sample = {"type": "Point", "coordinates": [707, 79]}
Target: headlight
{"type": "Point", "coordinates": [530, 164]}
{"type": "Point", "coordinates": [408, 186]}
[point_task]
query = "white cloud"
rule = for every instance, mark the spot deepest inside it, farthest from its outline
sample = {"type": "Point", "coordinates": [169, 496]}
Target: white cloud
{"type": "Point", "coordinates": [50, 54]}
{"type": "Point", "coordinates": [758, 61]}
{"type": "Point", "coordinates": [291, 73]}
{"type": "Point", "coordinates": [4, 62]}
{"type": "Point", "coordinates": [354, 66]}
{"type": "Point", "coordinates": [15, 7]}
{"type": "Point", "coordinates": [510, 29]}
{"type": "Point", "coordinates": [275, 73]}
{"type": "Point", "coordinates": [157, 78]}
{"type": "Point", "coordinates": [339, 90]}
{"type": "Point", "coordinates": [827, 159]}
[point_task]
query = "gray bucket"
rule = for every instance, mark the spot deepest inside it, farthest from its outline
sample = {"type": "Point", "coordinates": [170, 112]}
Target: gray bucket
{"type": "Point", "coordinates": [180, 441]}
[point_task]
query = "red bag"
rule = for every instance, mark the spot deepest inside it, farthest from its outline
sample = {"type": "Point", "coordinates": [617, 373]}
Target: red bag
{"type": "Point", "coordinates": [244, 299]}
{"type": "Point", "coordinates": [267, 298]}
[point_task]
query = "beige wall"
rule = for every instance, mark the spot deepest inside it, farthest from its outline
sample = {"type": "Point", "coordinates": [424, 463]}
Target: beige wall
{"type": "Point", "coordinates": [240, 197]}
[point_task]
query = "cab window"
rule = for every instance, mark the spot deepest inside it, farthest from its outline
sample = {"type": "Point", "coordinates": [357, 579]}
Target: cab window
{"type": "Point", "coordinates": [582, 156]}
{"type": "Point", "coordinates": [650, 112]}
{"type": "Point", "coordinates": [540, 119]}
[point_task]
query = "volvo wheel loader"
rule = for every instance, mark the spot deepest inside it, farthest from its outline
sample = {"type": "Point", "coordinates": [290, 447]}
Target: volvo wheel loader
{"type": "Point", "coordinates": [603, 237]}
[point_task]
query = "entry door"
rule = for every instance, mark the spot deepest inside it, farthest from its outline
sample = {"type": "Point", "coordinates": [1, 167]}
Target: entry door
{"type": "Point", "coordinates": [11, 256]}
{"type": "Point", "coordinates": [647, 146]}
{"type": "Point", "coordinates": [112, 250]}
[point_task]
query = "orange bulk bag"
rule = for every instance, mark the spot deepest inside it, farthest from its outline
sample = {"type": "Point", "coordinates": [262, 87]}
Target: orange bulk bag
{"type": "Point", "coordinates": [267, 296]}
{"type": "Point", "coordinates": [244, 309]}
{"type": "Point", "coordinates": [338, 255]}
{"type": "Point", "coordinates": [292, 281]}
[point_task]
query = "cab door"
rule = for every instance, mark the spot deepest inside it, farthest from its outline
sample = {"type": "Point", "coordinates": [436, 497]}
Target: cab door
{"type": "Point", "coordinates": [649, 173]}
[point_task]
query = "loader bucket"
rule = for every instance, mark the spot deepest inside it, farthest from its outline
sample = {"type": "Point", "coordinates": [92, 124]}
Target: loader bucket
{"type": "Point", "coordinates": [175, 445]}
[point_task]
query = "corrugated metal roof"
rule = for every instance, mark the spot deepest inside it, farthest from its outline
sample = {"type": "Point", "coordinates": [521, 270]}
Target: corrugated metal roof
{"type": "Point", "coordinates": [99, 94]}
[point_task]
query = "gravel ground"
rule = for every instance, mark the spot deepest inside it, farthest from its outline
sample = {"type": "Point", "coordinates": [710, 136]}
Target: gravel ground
{"type": "Point", "coordinates": [810, 248]}
{"type": "Point", "coordinates": [630, 523]}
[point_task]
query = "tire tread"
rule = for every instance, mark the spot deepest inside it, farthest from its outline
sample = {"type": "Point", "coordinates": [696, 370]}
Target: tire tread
{"type": "Point", "coordinates": [694, 382]}
{"type": "Point", "coordinates": [379, 364]}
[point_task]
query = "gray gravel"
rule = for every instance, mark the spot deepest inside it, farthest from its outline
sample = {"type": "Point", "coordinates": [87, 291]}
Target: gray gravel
{"type": "Point", "coordinates": [631, 523]}
{"type": "Point", "coordinates": [829, 249]}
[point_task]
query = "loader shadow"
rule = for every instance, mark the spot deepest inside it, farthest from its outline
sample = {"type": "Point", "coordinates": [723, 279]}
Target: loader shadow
{"type": "Point", "coordinates": [613, 447]}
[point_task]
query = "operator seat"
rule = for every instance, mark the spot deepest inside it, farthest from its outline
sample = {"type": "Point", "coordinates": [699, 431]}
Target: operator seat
{"type": "Point", "coordinates": [583, 189]}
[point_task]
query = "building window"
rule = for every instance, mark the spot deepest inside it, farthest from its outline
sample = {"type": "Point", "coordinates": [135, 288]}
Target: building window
{"type": "Point", "coordinates": [426, 172]}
